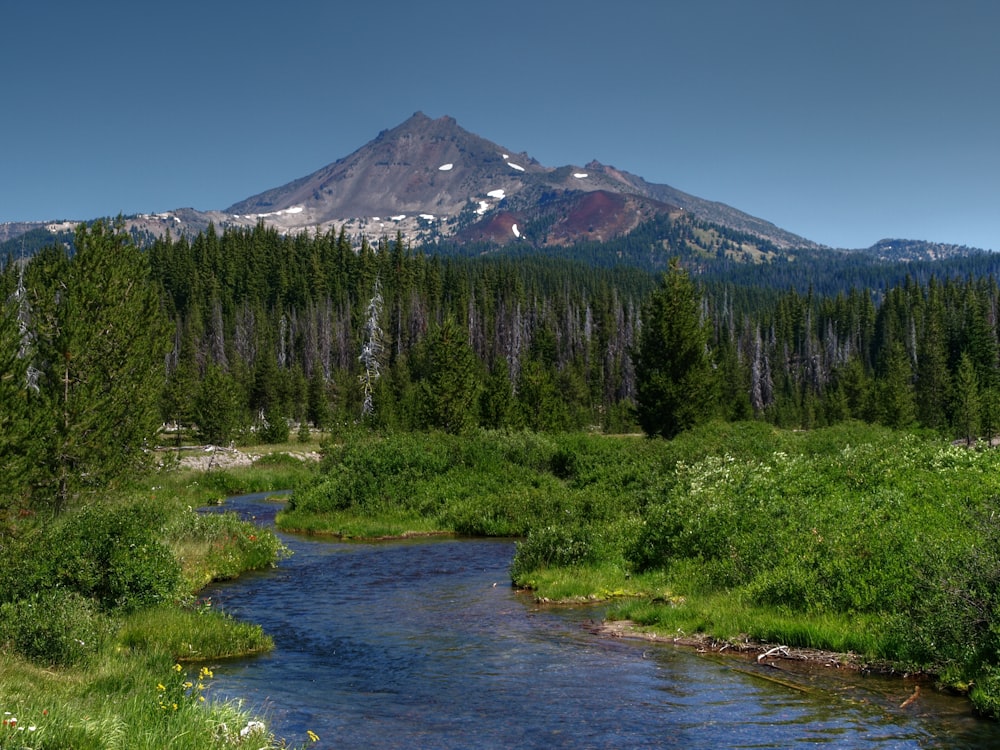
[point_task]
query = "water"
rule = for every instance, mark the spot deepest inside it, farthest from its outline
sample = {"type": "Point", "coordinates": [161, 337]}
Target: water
{"type": "Point", "coordinates": [423, 644]}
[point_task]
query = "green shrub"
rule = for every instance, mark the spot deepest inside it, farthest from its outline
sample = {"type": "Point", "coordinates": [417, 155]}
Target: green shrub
{"type": "Point", "coordinates": [376, 475]}
{"type": "Point", "coordinates": [113, 555]}
{"type": "Point", "coordinates": [107, 553]}
{"type": "Point", "coordinates": [985, 693]}
{"type": "Point", "coordinates": [278, 461]}
{"type": "Point", "coordinates": [532, 450]}
{"type": "Point", "coordinates": [550, 546]}
{"type": "Point", "coordinates": [55, 627]}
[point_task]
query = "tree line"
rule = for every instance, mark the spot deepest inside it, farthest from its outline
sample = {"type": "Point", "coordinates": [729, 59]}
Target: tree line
{"type": "Point", "coordinates": [243, 334]}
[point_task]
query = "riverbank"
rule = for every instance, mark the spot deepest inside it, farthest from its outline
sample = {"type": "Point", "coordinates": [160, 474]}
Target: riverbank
{"type": "Point", "coordinates": [105, 640]}
{"type": "Point", "coordinates": [836, 540]}
{"type": "Point", "coordinates": [423, 645]}
{"type": "Point", "coordinates": [750, 650]}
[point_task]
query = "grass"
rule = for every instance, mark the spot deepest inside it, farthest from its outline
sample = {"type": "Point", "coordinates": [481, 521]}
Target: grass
{"type": "Point", "coordinates": [197, 633]}
{"type": "Point", "coordinates": [723, 619]}
{"type": "Point", "coordinates": [851, 538]}
{"type": "Point", "coordinates": [117, 702]}
{"type": "Point", "coordinates": [590, 583]}
{"type": "Point", "coordinates": [196, 488]}
{"type": "Point", "coordinates": [126, 568]}
{"type": "Point", "coordinates": [219, 546]}
{"type": "Point", "coordinates": [346, 525]}
{"type": "Point", "coordinates": [130, 696]}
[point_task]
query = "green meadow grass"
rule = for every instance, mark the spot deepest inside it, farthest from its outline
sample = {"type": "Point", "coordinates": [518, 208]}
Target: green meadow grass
{"type": "Point", "coordinates": [851, 538]}
{"type": "Point", "coordinates": [104, 641]}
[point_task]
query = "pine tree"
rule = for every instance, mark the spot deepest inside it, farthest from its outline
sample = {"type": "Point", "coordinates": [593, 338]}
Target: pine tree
{"type": "Point", "coordinates": [102, 340]}
{"type": "Point", "coordinates": [674, 379]}
{"type": "Point", "coordinates": [496, 401]}
{"type": "Point", "coordinates": [541, 405]}
{"type": "Point", "coordinates": [933, 386]}
{"type": "Point", "coordinates": [318, 409]}
{"type": "Point", "coordinates": [15, 423]}
{"type": "Point", "coordinates": [450, 382]}
{"type": "Point", "coordinates": [896, 404]}
{"type": "Point", "coordinates": [217, 407]}
{"type": "Point", "coordinates": [967, 407]}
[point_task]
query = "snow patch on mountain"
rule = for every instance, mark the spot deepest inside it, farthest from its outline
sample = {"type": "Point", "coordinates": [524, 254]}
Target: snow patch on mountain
{"type": "Point", "coordinates": [289, 211]}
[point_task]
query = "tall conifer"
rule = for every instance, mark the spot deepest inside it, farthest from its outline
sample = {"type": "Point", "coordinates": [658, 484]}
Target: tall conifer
{"type": "Point", "coordinates": [102, 340]}
{"type": "Point", "coordinates": [674, 378]}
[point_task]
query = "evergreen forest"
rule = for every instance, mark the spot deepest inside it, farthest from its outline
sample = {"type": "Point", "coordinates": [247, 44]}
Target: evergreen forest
{"type": "Point", "coordinates": [246, 334]}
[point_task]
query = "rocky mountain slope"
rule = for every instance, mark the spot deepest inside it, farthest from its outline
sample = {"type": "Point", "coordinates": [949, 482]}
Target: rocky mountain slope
{"type": "Point", "coordinates": [431, 178]}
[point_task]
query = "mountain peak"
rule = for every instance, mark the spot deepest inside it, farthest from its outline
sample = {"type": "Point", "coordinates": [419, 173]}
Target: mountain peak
{"type": "Point", "coordinates": [432, 178]}
{"type": "Point", "coordinates": [419, 121]}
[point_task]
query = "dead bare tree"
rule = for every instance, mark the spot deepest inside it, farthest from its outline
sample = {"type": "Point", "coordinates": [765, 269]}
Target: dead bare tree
{"type": "Point", "coordinates": [370, 351]}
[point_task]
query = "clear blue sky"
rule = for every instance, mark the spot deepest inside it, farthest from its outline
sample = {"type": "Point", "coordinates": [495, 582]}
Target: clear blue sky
{"type": "Point", "coordinates": [844, 122]}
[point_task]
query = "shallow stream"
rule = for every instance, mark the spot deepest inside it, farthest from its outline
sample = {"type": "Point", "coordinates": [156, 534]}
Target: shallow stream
{"type": "Point", "coordinates": [424, 644]}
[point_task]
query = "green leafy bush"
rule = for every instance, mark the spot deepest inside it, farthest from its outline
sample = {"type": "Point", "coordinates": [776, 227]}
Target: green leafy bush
{"type": "Point", "coordinates": [114, 555]}
{"type": "Point", "coordinates": [549, 546]}
{"type": "Point", "coordinates": [110, 554]}
{"type": "Point", "coordinates": [55, 627]}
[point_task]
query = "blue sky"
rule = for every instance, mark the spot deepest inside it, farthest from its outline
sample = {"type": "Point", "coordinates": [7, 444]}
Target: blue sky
{"type": "Point", "coordinates": [843, 122]}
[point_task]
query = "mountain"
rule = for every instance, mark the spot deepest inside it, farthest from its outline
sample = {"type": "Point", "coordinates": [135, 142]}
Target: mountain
{"type": "Point", "coordinates": [434, 181]}
{"type": "Point", "coordinates": [430, 178]}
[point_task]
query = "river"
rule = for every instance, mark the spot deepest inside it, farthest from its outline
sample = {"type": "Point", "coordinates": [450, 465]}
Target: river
{"type": "Point", "coordinates": [424, 644]}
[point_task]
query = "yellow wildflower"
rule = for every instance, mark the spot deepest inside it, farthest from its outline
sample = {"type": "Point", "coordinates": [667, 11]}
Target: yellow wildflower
{"type": "Point", "coordinates": [312, 735]}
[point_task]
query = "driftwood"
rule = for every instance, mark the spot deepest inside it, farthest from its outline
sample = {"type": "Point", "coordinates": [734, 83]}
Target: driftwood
{"type": "Point", "coordinates": [783, 650]}
{"type": "Point", "coordinates": [775, 680]}
{"type": "Point", "coordinates": [908, 701]}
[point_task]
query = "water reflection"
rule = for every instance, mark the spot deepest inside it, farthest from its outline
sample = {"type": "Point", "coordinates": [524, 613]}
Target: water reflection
{"type": "Point", "coordinates": [425, 645]}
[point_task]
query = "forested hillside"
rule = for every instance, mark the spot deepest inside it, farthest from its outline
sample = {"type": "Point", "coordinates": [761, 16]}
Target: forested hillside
{"type": "Point", "coordinates": [244, 334]}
